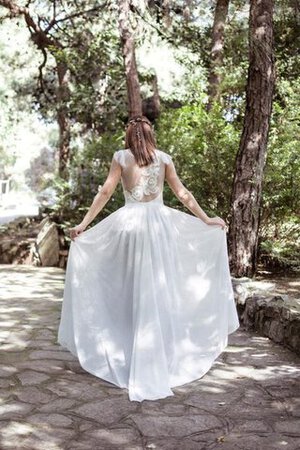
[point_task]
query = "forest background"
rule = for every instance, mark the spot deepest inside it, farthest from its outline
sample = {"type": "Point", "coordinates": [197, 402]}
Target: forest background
{"type": "Point", "coordinates": [73, 72]}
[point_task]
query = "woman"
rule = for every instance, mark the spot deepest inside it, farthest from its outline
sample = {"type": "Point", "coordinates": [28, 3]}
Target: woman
{"type": "Point", "coordinates": [148, 301]}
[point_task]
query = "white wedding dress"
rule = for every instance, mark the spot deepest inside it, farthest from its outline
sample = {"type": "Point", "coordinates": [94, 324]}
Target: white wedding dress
{"type": "Point", "coordinates": [148, 300]}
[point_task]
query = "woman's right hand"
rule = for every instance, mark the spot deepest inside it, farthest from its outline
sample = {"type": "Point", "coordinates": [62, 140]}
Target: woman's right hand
{"type": "Point", "coordinates": [217, 221]}
{"type": "Point", "coordinates": [74, 232]}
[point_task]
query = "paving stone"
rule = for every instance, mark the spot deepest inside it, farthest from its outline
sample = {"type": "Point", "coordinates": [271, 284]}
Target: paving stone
{"type": "Point", "coordinates": [159, 425]}
{"type": "Point", "coordinates": [282, 390]}
{"type": "Point", "coordinates": [58, 405]}
{"type": "Point", "coordinates": [255, 441]}
{"type": "Point", "coordinates": [252, 426]}
{"type": "Point", "coordinates": [4, 394]}
{"type": "Point", "coordinates": [39, 344]}
{"type": "Point", "coordinates": [44, 334]}
{"type": "Point", "coordinates": [289, 426]}
{"type": "Point", "coordinates": [213, 401]}
{"type": "Point", "coordinates": [97, 383]}
{"type": "Point", "coordinates": [6, 382]}
{"type": "Point", "coordinates": [46, 439]}
{"type": "Point", "coordinates": [107, 411]}
{"type": "Point", "coordinates": [50, 419]}
{"type": "Point", "coordinates": [171, 409]}
{"type": "Point", "coordinates": [114, 436]}
{"type": "Point", "coordinates": [47, 366]}
{"type": "Point", "coordinates": [33, 395]}
{"type": "Point", "coordinates": [244, 411]}
{"type": "Point", "coordinates": [7, 371]}
{"type": "Point", "coordinates": [45, 354]}
{"type": "Point", "coordinates": [14, 409]}
{"type": "Point", "coordinates": [248, 400]}
{"type": "Point", "coordinates": [292, 406]}
{"type": "Point", "coordinates": [79, 391]}
{"type": "Point", "coordinates": [29, 377]}
{"type": "Point", "coordinates": [174, 444]}
{"type": "Point", "coordinates": [87, 444]}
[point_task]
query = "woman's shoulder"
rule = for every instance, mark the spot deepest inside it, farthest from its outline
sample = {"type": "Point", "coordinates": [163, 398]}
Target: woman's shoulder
{"type": "Point", "coordinates": [120, 155]}
{"type": "Point", "coordinates": [166, 158]}
{"type": "Point", "coordinates": [121, 150]}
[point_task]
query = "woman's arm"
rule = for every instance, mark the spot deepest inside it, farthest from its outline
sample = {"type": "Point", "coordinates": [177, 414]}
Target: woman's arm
{"type": "Point", "coordinates": [187, 198]}
{"type": "Point", "coordinates": [100, 199]}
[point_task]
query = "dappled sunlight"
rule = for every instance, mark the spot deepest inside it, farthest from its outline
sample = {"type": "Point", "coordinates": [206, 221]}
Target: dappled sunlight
{"type": "Point", "coordinates": [198, 286]}
{"type": "Point", "coordinates": [23, 290]}
{"type": "Point", "coordinates": [260, 32]}
{"type": "Point", "coordinates": [15, 283]}
{"type": "Point", "coordinates": [146, 338]}
{"type": "Point", "coordinates": [145, 341]}
{"type": "Point", "coordinates": [50, 393]}
{"type": "Point", "coordinates": [31, 436]}
{"type": "Point", "coordinates": [15, 430]}
{"type": "Point", "coordinates": [151, 296]}
{"type": "Point", "coordinates": [110, 349]}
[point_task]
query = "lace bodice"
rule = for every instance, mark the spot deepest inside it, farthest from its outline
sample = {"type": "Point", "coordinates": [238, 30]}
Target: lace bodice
{"type": "Point", "coordinates": [142, 184]}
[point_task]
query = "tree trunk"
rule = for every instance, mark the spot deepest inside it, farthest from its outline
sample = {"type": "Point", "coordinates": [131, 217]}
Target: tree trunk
{"type": "Point", "coordinates": [151, 105]}
{"type": "Point", "coordinates": [218, 30]}
{"type": "Point", "coordinates": [128, 52]}
{"type": "Point", "coordinates": [44, 42]}
{"type": "Point", "coordinates": [62, 118]}
{"type": "Point", "coordinates": [250, 161]}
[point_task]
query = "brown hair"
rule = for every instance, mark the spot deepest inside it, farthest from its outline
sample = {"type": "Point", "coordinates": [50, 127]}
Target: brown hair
{"type": "Point", "coordinates": [140, 140]}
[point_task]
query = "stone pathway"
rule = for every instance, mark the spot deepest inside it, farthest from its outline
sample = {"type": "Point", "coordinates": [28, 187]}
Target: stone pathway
{"type": "Point", "coordinates": [249, 400]}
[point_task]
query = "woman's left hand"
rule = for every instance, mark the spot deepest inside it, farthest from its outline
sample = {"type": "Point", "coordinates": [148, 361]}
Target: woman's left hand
{"type": "Point", "coordinates": [76, 231]}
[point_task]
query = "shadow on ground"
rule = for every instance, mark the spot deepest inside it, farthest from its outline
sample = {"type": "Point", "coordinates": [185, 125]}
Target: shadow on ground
{"type": "Point", "coordinates": [250, 398]}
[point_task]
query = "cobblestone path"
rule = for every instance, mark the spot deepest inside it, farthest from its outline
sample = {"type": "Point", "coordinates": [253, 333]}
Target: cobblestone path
{"type": "Point", "coordinates": [249, 400]}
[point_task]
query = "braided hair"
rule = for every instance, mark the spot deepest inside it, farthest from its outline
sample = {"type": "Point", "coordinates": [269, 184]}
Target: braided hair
{"type": "Point", "coordinates": [140, 139]}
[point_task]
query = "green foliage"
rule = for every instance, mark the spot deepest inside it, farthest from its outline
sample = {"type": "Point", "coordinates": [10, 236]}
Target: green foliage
{"type": "Point", "coordinates": [97, 87]}
{"type": "Point", "coordinates": [280, 244]}
{"type": "Point", "coordinates": [280, 223]}
{"type": "Point", "coordinates": [203, 146]}
{"type": "Point", "coordinates": [88, 169]}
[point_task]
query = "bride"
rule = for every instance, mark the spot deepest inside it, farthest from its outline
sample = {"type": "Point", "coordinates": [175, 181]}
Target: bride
{"type": "Point", "coordinates": [148, 302]}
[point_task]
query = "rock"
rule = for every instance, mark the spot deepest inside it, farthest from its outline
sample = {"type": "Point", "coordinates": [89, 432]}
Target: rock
{"type": "Point", "coordinates": [244, 288]}
{"type": "Point", "coordinates": [47, 243]}
{"type": "Point", "coordinates": [276, 316]}
{"type": "Point", "coordinates": [33, 242]}
{"type": "Point", "coordinates": [5, 245]}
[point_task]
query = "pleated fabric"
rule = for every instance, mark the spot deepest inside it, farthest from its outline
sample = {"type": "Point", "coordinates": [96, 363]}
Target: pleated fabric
{"type": "Point", "coordinates": [148, 302]}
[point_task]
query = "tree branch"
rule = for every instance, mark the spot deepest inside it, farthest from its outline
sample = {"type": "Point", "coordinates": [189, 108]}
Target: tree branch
{"type": "Point", "coordinates": [54, 21]}
{"type": "Point", "coordinates": [41, 66]}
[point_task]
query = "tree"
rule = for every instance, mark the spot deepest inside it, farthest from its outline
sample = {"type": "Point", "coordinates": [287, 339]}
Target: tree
{"type": "Point", "coordinates": [250, 160]}
{"type": "Point", "coordinates": [217, 49]}
{"type": "Point", "coordinates": [128, 52]}
{"type": "Point", "coordinates": [43, 41]}
{"type": "Point", "coordinates": [44, 35]}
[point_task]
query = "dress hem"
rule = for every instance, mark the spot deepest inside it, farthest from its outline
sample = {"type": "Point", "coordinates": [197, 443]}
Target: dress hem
{"type": "Point", "coordinates": [158, 396]}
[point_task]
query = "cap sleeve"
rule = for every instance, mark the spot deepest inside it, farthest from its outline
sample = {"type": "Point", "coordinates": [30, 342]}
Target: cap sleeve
{"type": "Point", "coordinates": [119, 157]}
{"type": "Point", "coordinates": [167, 159]}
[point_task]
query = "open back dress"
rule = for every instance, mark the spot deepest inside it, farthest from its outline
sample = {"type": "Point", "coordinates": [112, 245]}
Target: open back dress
{"type": "Point", "coordinates": [148, 301]}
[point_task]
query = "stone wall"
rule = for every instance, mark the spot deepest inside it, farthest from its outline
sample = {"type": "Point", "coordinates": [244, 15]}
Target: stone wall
{"type": "Point", "coordinates": [274, 316]}
{"type": "Point", "coordinates": [36, 241]}
{"type": "Point", "coordinates": [16, 239]}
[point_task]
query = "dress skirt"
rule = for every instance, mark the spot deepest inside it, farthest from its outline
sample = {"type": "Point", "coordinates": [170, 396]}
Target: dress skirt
{"type": "Point", "coordinates": [148, 301]}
